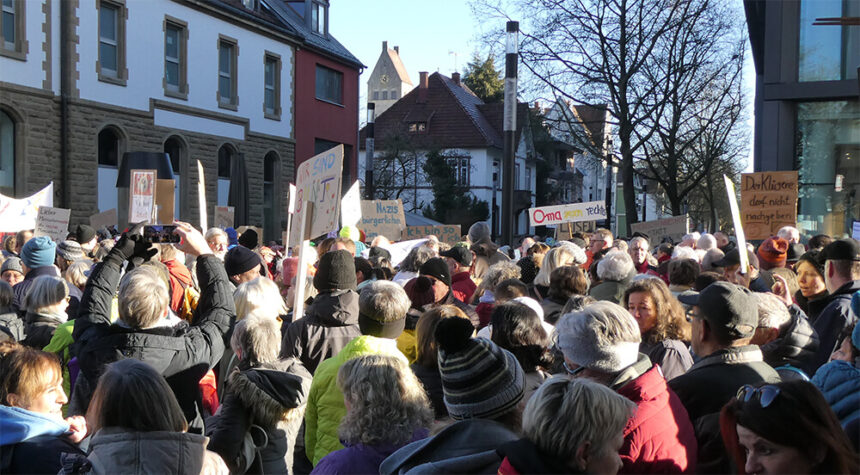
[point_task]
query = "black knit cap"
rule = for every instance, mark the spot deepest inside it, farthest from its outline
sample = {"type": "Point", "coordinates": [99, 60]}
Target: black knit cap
{"type": "Point", "coordinates": [379, 251]}
{"type": "Point", "coordinates": [438, 268]}
{"type": "Point", "coordinates": [336, 271]}
{"type": "Point", "coordinates": [249, 239]}
{"type": "Point", "coordinates": [240, 260]}
{"type": "Point", "coordinates": [84, 233]}
{"type": "Point", "coordinates": [814, 259]}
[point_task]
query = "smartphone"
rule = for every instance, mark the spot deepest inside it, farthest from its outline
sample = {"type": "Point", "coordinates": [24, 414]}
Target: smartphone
{"type": "Point", "coordinates": [161, 234]}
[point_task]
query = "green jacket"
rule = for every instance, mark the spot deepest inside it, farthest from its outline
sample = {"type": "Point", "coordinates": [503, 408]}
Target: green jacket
{"type": "Point", "coordinates": [325, 401]}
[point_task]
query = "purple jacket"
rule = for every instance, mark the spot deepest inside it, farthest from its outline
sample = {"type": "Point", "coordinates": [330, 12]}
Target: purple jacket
{"type": "Point", "coordinates": [360, 458]}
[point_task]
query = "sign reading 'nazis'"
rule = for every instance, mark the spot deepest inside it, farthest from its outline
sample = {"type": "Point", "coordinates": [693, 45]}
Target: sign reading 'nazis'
{"type": "Point", "coordinates": [570, 213]}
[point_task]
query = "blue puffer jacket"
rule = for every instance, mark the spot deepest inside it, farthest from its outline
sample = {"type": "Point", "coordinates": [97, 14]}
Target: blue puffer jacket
{"type": "Point", "coordinates": [839, 381]}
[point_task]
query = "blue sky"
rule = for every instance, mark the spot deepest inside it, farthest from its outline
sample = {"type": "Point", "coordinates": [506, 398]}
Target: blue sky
{"type": "Point", "coordinates": [426, 32]}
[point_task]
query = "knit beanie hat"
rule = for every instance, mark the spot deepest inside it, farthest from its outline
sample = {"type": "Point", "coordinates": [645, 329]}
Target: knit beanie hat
{"type": "Point", "coordinates": [70, 250]}
{"type": "Point", "coordinates": [420, 292]}
{"type": "Point", "coordinates": [438, 268]}
{"type": "Point", "coordinates": [240, 260]}
{"type": "Point", "coordinates": [12, 263]}
{"type": "Point", "coordinates": [350, 232]}
{"type": "Point", "coordinates": [232, 237]}
{"type": "Point", "coordinates": [603, 336]}
{"type": "Point", "coordinates": [336, 271]}
{"type": "Point", "coordinates": [773, 251]}
{"type": "Point", "coordinates": [39, 252]}
{"type": "Point", "coordinates": [249, 239]}
{"type": "Point", "coordinates": [480, 380]}
{"type": "Point", "coordinates": [84, 233]}
{"type": "Point", "coordinates": [812, 258]}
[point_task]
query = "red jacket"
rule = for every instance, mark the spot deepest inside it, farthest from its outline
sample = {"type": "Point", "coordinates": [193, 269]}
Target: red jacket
{"type": "Point", "coordinates": [180, 278]}
{"type": "Point", "coordinates": [659, 438]}
{"type": "Point", "coordinates": [463, 287]}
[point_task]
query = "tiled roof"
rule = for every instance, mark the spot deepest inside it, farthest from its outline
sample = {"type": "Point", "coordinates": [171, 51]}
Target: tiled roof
{"type": "Point", "coordinates": [495, 114]}
{"type": "Point", "coordinates": [260, 15]}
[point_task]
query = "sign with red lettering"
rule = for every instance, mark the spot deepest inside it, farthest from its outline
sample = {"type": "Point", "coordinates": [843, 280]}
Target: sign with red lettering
{"type": "Point", "coordinates": [318, 182]}
{"type": "Point", "coordinates": [569, 213]}
{"type": "Point", "coordinates": [768, 202]}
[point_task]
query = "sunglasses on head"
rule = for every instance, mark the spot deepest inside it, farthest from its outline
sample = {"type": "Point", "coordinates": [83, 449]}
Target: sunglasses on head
{"type": "Point", "coordinates": [572, 372]}
{"type": "Point", "coordinates": [764, 395]}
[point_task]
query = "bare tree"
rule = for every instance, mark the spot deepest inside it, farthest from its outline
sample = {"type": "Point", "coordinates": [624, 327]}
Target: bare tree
{"type": "Point", "coordinates": [396, 171]}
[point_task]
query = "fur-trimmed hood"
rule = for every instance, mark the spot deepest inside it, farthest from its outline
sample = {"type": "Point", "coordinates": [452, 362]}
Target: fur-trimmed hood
{"type": "Point", "coordinates": [270, 391]}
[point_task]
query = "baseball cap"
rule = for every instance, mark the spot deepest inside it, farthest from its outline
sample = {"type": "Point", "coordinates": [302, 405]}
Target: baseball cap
{"type": "Point", "coordinates": [731, 310]}
{"type": "Point", "coordinates": [460, 254]}
{"type": "Point", "coordinates": [841, 250]}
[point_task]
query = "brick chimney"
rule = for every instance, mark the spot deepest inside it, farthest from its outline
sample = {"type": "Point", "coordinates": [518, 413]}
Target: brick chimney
{"type": "Point", "coordinates": [456, 78]}
{"type": "Point", "coordinates": [397, 49]}
{"type": "Point", "coordinates": [384, 46]}
{"type": "Point", "coordinates": [422, 86]}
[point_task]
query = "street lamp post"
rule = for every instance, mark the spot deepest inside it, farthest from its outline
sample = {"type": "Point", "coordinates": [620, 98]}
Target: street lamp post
{"type": "Point", "coordinates": [509, 127]}
{"type": "Point", "coordinates": [368, 157]}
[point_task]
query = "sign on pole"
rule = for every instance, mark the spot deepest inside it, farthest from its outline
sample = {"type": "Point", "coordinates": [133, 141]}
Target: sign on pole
{"type": "Point", "coordinates": [224, 216]}
{"type": "Point", "coordinates": [739, 227]}
{"type": "Point", "coordinates": [318, 182]}
{"type": "Point", "coordinates": [569, 213]}
{"type": "Point", "coordinates": [141, 201]}
{"type": "Point", "coordinates": [105, 219]}
{"type": "Point", "coordinates": [768, 202]}
{"type": "Point", "coordinates": [382, 217]}
{"type": "Point", "coordinates": [675, 227]}
{"type": "Point", "coordinates": [350, 206]}
{"type": "Point", "coordinates": [52, 222]}
{"type": "Point", "coordinates": [447, 233]}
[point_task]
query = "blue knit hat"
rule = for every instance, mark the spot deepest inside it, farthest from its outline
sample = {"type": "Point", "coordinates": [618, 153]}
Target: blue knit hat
{"type": "Point", "coordinates": [39, 252]}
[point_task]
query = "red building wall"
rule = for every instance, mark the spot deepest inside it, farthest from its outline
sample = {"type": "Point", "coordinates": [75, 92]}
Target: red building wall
{"type": "Point", "coordinates": [317, 119]}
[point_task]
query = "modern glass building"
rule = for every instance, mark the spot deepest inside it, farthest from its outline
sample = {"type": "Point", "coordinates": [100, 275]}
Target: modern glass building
{"type": "Point", "coordinates": [807, 104]}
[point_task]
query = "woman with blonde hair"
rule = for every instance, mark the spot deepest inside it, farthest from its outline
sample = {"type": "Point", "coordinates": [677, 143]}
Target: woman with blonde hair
{"type": "Point", "coordinates": [385, 410]}
{"type": "Point", "coordinates": [260, 296]}
{"type": "Point", "coordinates": [46, 302]}
{"type": "Point", "coordinates": [567, 254]}
{"type": "Point", "coordinates": [662, 323]}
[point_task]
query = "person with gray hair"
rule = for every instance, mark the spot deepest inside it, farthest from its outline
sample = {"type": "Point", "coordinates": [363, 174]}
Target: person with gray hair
{"type": "Point", "coordinates": [413, 261]}
{"type": "Point", "coordinates": [570, 426]}
{"type": "Point", "coordinates": [601, 342]}
{"type": "Point", "coordinates": [790, 234]}
{"type": "Point", "coordinates": [183, 353]}
{"type": "Point", "coordinates": [787, 340]}
{"type": "Point", "coordinates": [382, 308]}
{"type": "Point", "coordinates": [264, 395]}
{"type": "Point", "coordinates": [386, 409]}
{"type": "Point", "coordinates": [614, 271]}
{"type": "Point", "coordinates": [11, 325]}
{"type": "Point", "coordinates": [46, 302]}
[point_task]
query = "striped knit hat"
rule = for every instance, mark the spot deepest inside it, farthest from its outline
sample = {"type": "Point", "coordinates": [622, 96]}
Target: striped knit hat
{"type": "Point", "coordinates": [479, 379]}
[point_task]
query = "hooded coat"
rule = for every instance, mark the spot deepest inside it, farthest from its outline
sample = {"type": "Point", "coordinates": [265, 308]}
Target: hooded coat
{"type": "Point", "coordinates": [522, 457]}
{"type": "Point", "coordinates": [329, 324]}
{"type": "Point", "coordinates": [795, 346]}
{"type": "Point", "coordinates": [31, 442]}
{"type": "Point", "coordinates": [11, 324]}
{"type": "Point", "coordinates": [272, 397]}
{"type": "Point", "coordinates": [40, 329]}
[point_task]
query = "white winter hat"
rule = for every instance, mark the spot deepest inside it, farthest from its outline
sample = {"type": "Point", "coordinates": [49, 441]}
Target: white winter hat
{"type": "Point", "coordinates": [603, 336]}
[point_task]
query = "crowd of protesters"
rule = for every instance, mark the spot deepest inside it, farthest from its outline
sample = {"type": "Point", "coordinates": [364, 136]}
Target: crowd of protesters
{"type": "Point", "coordinates": [596, 354]}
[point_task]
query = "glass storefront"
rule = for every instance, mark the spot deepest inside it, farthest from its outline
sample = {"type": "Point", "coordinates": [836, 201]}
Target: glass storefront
{"type": "Point", "coordinates": [828, 160]}
{"type": "Point", "coordinates": [825, 52]}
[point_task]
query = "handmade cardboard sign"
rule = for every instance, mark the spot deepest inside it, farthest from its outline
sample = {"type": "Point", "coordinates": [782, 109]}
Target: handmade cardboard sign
{"type": "Point", "coordinates": [382, 217]}
{"type": "Point", "coordinates": [224, 216]}
{"type": "Point", "coordinates": [569, 213]}
{"type": "Point", "coordinates": [164, 196]}
{"type": "Point", "coordinates": [768, 202]}
{"type": "Point", "coordinates": [447, 233]}
{"type": "Point", "coordinates": [563, 232]}
{"type": "Point", "coordinates": [318, 181]}
{"type": "Point", "coordinates": [141, 203]}
{"type": "Point", "coordinates": [105, 219]}
{"type": "Point", "coordinates": [52, 222]}
{"type": "Point", "coordinates": [201, 198]}
{"type": "Point", "coordinates": [675, 227]}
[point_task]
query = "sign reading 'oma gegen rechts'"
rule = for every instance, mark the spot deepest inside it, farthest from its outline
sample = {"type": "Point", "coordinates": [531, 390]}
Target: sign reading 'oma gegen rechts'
{"type": "Point", "coordinates": [569, 213]}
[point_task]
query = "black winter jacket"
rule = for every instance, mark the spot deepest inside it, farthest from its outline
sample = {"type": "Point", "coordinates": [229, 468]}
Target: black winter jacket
{"type": "Point", "coordinates": [272, 397]}
{"type": "Point", "coordinates": [40, 329]}
{"type": "Point", "coordinates": [796, 344]}
{"type": "Point", "coordinates": [830, 322]}
{"type": "Point", "coordinates": [20, 289]}
{"type": "Point", "coordinates": [329, 324]}
{"type": "Point", "coordinates": [182, 353]}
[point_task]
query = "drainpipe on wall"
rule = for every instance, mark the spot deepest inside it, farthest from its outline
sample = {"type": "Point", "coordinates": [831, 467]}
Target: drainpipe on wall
{"type": "Point", "coordinates": [65, 88]}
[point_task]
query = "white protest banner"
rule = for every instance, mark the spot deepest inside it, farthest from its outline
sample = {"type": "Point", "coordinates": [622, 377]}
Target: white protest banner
{"type": "Point", "coordinates": [224, 216]}
{"type": "Point", "coordinates": [52, 222]}
{"type": "Point", "coordinates": [318, 181]}
{"type": "Point", "coordinates": [675, 227]}
{"type": "Point", "coordinates": [141, 203]}
{"type": "Point", "coordinates": [382, 217]}
{"type": "Point", "coordinates": [399, 250]}
{"type": "Point", "coordinates": [739, 227]}
{"type": "Point", "coordinates": [350, 206]}
{"type": "Point", "coordinates": [16, 215]}
{"type": "Point", "coordinates": [105, 219]}
{"type": "Point", "coordinates": [569, 213]}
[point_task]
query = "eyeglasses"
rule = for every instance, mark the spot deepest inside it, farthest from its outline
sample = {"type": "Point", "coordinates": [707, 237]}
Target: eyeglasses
{"type": "Point", "coordinates": [572, 372]}
{"type": "Point", "coordinates": [764, 395]}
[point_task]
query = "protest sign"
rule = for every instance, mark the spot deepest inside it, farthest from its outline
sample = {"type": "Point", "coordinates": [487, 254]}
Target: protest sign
{"type": "Point", "coordinates": [564, 232]}
{"type": "Point", "coordinates": [201, 198]}
{"type": "Point", "coordinates": [52, 222]}
{"type": "Point", "coordinates": [224, 216]}
{"type": "Point", "coordinates": [447, 233]}
{"type": "Point", "coordinates": [569, 213]}
{"type": "Point", "coordinates": [350, 206]}
{"type": "Point", "coordinates": [165, 191]}
{"type": "Point", "coordinates": [382, 217]}
{"type": "Point", "coordinates": [141, 202]}
{"type": "Point", "coordinates": [105, 219]}
{"type": "Point", "coordinates": [739, 227]}
{"type": "Point", "coordinates": [768, 202]}
{"type": "Point", "coordinates": [16, 215]}
{"type": "Point", "coordinates": [318, 181]}
{"type": "Point", "coordinates": [675, 227]}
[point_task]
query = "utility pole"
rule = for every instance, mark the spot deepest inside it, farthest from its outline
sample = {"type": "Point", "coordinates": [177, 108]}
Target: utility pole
{"type": "Point", "coordinates": [510, 126]}
{"type": "Point", "coordinates": [368, 153]}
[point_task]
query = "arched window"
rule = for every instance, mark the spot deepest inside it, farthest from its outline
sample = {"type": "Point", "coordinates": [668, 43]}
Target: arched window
{"type": "Point", "coordinates": [226, 155]}
{"type": "Point", "coordinates": [174, 147]}
{"type": "Point", "coordinates": [271, 202]}
{"type": "Point", "coordinates": [7, 154]}
{"type": "Point", "coordinates": [109, 155]}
